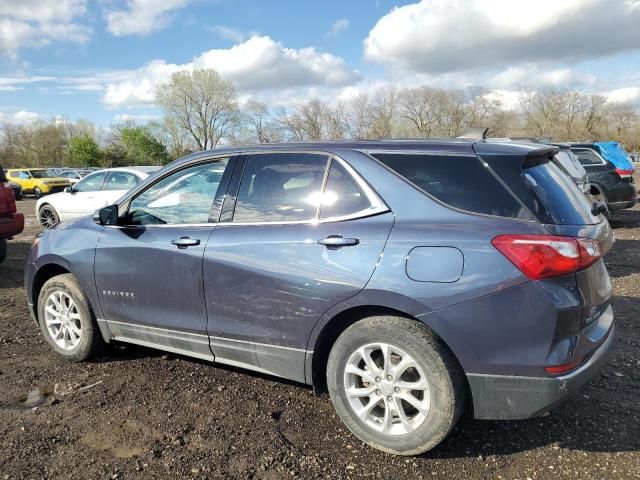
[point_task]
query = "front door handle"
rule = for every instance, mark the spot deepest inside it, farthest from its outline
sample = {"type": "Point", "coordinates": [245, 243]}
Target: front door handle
{"type": "Point", "coordinates": [338, 241]}
{"type": "Point", "coordinates": [184, 242]}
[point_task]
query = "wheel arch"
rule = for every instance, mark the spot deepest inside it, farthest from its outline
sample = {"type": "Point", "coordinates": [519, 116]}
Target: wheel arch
{"type": "Point", "coordinates": [44, 273]}
{"type": "Point", "coordinates": [326, 335]}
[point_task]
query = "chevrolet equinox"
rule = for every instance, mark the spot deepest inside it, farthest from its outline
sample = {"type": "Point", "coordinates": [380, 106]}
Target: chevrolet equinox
{"type": "Point", "coordinates": [410, 279]}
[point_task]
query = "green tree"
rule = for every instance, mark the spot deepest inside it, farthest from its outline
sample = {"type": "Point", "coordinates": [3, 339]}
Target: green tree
{"type": "Point", "coordinates": [201, 103]}
{"type": "Point", "coordinates": [141, 147]}
{"type": "Point", "coordinates": [84, 151]}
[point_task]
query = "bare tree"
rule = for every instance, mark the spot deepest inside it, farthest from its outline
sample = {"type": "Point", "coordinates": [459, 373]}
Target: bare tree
{"type": "Point", "coordinates": [421, 106]}
{"type": "Point", "coordinates": [200, 102]}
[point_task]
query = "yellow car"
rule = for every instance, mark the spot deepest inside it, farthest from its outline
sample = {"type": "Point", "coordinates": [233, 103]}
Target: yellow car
{"type": "Point", "coordinates": [37, 181]}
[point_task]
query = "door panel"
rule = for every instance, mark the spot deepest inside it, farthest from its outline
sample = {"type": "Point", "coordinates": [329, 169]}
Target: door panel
{"type": "Point", "coordinates": [267, 285]}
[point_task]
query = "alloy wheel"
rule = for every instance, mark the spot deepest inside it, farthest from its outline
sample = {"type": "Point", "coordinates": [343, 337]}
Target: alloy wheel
{"type": "Point", "coordinates": [387, 389]}
{"type": "Point", "coordinates": [62, 319]}
{"type": "Point", "coordinates": [48, 218]}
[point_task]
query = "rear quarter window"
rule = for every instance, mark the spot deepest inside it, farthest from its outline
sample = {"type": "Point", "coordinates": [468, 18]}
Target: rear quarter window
{"type": "Point", "coordinates": [462, 182]}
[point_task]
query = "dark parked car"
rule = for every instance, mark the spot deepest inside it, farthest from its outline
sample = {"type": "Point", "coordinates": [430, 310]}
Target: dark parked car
{"type": "Point", "coordinates": [17, 190]}
{"type": "Point", "coordinates": [11, 222]}
{"type": "Point", "coordinates": [372, 269]}
{"type": "Point", "coordinates": [610, 173]}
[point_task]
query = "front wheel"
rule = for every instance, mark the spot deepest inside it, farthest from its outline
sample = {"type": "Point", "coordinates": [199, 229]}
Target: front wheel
{"type": "Point", "coordinates": [395, 385]}
{"type": "Point", "coordinates": [67, 321]}
{"type": "Point", "coordinates": [37, 192]}
{"type": "Point", "coordinates": [48, 217]}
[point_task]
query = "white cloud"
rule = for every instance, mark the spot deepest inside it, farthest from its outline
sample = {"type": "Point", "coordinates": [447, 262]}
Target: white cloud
{"type": "Point", "coordinates": [623, 95]}
{"type": "Point", "coordinates": [437, 36]}
{"type": "Point", "coordinates": [142, 17]}
{"type": "Point", "coordinates": [258, 64]}
{"type": "Point", "coordinates": [18, 117]}
{"type": "Point", "coordinates": [229, 33]}
{"type": "Point", "coordinates": [36, 23]}
{"type": "Point", "coordinates": [338, 26]}
{"type": "Point", "coordinates": [125, 117]}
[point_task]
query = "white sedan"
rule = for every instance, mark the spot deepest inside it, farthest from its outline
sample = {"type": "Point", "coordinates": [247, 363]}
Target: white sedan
{"type": "Point", "coordinates": [93, 192]}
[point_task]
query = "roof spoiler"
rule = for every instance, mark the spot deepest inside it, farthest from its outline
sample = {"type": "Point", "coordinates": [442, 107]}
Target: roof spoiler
{"type": "Point", "coordinates": [539, 156]}
{"type": "Point", "coordinates": [479, 133]}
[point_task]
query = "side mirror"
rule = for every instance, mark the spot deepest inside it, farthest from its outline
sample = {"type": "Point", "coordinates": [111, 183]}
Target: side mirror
{"type": "Point", "coordinates": [69, 189]}
{"type": "Point", "coordinates": [106, 215]}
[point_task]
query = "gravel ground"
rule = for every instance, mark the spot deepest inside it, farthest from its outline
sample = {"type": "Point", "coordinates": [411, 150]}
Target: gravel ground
{"type": "Point", "coordinates": [139, 413]}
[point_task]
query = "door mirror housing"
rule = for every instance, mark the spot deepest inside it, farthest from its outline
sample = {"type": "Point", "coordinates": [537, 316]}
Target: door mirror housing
{"type": "Point", "coordinates": [69, 189]}
{"type": "Point", "coordinates": [106, 215]}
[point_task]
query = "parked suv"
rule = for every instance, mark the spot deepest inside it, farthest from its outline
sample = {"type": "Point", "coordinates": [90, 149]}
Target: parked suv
{"type": "Point", "coordinates": [11, 222]}
{"type": "Point", "coordinates": [372, 269]}
{"type": "Point", "coordinates": [37, 181]}
{"type": "Point", "coordinates": [610, 171]}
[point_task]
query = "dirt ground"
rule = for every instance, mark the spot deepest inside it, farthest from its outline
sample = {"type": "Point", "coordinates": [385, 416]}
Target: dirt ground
{"type": "Point", "coordinates": [139, 413]}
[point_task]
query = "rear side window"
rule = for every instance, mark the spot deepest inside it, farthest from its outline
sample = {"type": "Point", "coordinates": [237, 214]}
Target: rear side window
{"type": "Point", "coordinates": [280, 187]}
{"type": "Point", "coordinates": [459, 181]}
{"type": "Point", "coordinates": [343, 196]}
{"type": "Point", "coordinates": [588, 156]}
{"type": "Point", "coordinates": [120, 181]}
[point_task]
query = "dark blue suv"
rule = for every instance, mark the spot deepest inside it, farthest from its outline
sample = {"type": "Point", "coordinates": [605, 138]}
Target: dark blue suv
{"type": "Point", "coordinates": [411, 279]}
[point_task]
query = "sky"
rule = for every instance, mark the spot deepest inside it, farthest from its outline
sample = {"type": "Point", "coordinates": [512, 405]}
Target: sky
{"type": "Point", "coordinates": [102, 60]}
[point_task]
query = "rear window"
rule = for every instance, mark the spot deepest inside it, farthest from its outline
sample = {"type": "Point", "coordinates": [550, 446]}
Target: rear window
{"type": "Point", "coordinates": [545, 189]}
{"type": "Point", "coordinates": [462, 182]}
{"type": "Point", "coordinates": [570, 163]}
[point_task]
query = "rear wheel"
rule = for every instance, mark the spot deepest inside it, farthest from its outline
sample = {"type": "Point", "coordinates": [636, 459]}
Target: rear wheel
{"type": "Point", "coordinates": [37, 192]}
{"type": "Point", "coordinates": [67, 321]}
{"type": "Point", "coordinates": [394, 385]}
{"type": "Point", "coordinates": [48, 217]}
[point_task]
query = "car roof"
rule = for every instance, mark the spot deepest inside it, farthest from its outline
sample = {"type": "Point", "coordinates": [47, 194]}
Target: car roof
{"type": "Point", "coordinates": [450, 146]}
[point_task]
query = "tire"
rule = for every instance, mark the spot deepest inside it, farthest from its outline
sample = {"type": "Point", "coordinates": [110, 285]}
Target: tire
{"type": "Point", "coordinates": [3, 249]}
{"type": "Point", "coordinates": [48, 217]}
{"type": "Point", "coordinates": [407, 340]}
{"type": "Point", "coordinates": [90, 342]}
{"type": "Point", "coordinates": [37, 192]}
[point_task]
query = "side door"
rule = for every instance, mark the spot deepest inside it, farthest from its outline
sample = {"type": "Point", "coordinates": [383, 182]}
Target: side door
{"type": "Point", "coordinates": [148, 268]}
{"type": "Point", "coordinates": [299, 233]}
{"type": "Point", "coordinates": [27, 182]}
{"type": "Point", "coordinates": [81, 200]}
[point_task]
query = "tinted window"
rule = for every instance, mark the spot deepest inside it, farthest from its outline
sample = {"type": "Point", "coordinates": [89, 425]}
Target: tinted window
{"type": "Point", "coordinates": [342, 196]}
{"type": "Point", "coordinates": [184, 197]}
{"type": "Point", "coordinates": [40, 173]}
{"type": "Point", "coordinates": [459, 181]}
{"type": "Point", "coordinates": [280, 187]}
{"type": "Point", "coordinates": [564, 202]}
{"type": "Point", "coordinates": [588, 157]}
{"type": "Point", "coordinates": [120, 181]}
{"type": "Point", "coordinates": [90, 183]}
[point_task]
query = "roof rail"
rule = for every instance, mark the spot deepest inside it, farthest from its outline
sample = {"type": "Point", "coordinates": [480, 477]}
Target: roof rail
{"type": "Point", "coordinates": [479, 133]}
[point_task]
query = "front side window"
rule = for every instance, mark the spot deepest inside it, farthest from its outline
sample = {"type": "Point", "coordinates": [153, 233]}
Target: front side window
{"type": "Point", "coordinates": [588, 156]}
{"type": "Point", "coordinates": [342, 195]}
{"type": "Point", "coordinates": [91, 183]}
{"type": "Point", "coordinates": [120, 181]}
{"type": "Point", "coordinates": [184, 197]}
{"type": "Point", "coordinates": [281, 187]}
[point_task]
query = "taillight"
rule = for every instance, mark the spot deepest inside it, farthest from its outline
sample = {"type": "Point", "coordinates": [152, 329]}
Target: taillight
{"type": "Point", "coordinates": [624, 173]}
{"type": "Point", "coordinates": [546, 256]}
{"type": "Point", "coordinates": [564, 368]}
{"type": "Point", "coordinates": [10, 198]}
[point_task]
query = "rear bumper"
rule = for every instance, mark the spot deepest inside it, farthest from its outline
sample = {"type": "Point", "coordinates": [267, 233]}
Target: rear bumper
{"type": "Point", "coordinates": [504, 397]}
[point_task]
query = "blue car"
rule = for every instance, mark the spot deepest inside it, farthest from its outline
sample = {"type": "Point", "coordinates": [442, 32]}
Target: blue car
{"type": "Point", "coordinates": [411, 280]}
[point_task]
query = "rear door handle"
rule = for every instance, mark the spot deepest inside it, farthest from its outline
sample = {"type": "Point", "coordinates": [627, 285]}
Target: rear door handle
{"type": "Point", "coordinates": [338, 241]}
{"type": "Point", "coordinates": [184, 242]}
